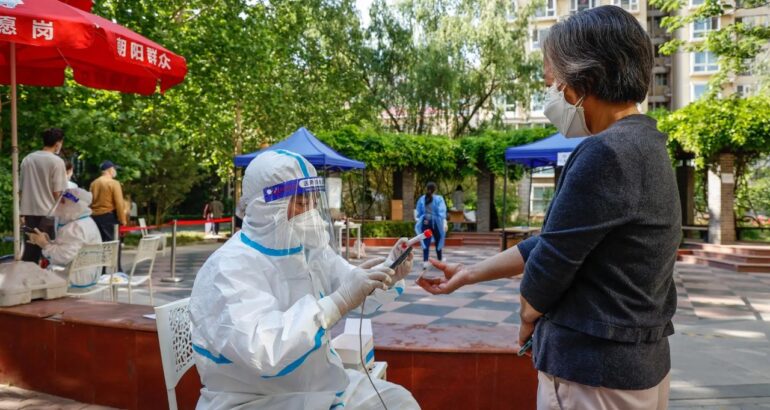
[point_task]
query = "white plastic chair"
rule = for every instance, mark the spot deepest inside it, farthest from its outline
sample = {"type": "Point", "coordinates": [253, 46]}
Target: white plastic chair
{"type": "Point", "coordinates": [148, 248]}
{"type": "Point", "coordinates": [175, 338]}
{"type": "Point", "coordinates": [146, 233]}
{"type": "Point", "coordinates": [89, 260]}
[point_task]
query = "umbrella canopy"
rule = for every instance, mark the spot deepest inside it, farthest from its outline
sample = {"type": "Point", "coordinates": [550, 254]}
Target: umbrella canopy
{"type": "Point", "coordinates": [40, 39]}
{"type": "Point", "coordinates": [50, 36]}
{"type": "Point", "coordinates": [303, 142]}
{"type": "Point", "coordinates": [542, 153]}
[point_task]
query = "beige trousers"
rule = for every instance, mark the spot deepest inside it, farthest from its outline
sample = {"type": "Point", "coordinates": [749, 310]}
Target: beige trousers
{"type": "Point", "coordinates": [554, 393]}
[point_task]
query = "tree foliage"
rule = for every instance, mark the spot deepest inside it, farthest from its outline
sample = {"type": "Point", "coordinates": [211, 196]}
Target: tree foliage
{"type": "Point", "coordinates": [432, 66]}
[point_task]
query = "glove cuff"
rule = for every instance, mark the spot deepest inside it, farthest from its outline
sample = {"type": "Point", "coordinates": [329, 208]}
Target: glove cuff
{"type": "Point", "coordinates": [330, 313]}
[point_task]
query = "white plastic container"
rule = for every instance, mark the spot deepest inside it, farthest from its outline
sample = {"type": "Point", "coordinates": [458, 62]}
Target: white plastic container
{"type": "Point", "coordinates": [347, 345]}
{"type": "Point", "coordinates": [22, 282]}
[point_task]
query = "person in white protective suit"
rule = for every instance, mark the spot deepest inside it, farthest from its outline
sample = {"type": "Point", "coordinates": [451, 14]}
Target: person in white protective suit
{"type": "Point", "coordinates": [74, 228]}
{"type": "Point", "coordinates": [263, 304]}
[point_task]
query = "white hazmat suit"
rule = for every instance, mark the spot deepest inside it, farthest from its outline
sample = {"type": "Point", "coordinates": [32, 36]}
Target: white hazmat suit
{"type": "Point", "coordinates": [261, 307]}
{"type": "Point", "coordinates": [74, 228]}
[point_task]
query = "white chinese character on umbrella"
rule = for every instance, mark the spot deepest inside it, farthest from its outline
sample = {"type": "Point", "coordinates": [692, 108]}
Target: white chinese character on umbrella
{"type": "Point", "coordinates": [152, 56]}
{"type": "Point", "coordinates": [7, 25]}
{"type": "Point", "coordinates": [164, 62]}
{"type": "Point", "coordinates": [42, 29]}
{"type": "Point", "coordinates": [121, 47]}
{"type": "Point", "coordinates": [137, 51]}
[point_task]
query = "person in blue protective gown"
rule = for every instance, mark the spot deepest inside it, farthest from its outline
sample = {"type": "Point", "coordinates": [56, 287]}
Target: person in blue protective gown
{"type": "Point", "coordinates": [431, 214]}
{"type": "Point", "coordinates": [263, 304]}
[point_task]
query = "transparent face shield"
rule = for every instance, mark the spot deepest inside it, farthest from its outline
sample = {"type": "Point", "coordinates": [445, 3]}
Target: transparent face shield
{"type": "Point", "coordinates": [307, 212]}
{"type": "Point", "coordinates": [66, 206]}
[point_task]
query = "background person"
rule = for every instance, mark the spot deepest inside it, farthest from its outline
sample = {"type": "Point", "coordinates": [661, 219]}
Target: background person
{"type": "Point", "coordinates": [431, 214]}
{"type": "Point", "coordinates": [598, 294]}
{"type": "Point", "coordinates": [74, 229]}
{"type": "Point", "coordinates": [70, 169]}
{"type": "Point", "coordinates": [109, 207]}
{"type": "Point", "coordinates": [262, 305]}
{"type": "Point", "coordinates": [43, 179]}
{"type": "Point", "coordinates": [108, 204]}
{"type": "Point", "coordinates": [217, 209]}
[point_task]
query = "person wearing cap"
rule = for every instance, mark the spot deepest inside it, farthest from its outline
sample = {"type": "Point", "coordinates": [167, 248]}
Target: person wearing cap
{"type": "Point", "coordinates": [108, 205]}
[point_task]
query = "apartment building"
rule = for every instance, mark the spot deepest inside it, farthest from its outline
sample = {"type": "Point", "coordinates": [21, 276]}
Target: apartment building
{"type": "Point", "coordinates": [677, 80]}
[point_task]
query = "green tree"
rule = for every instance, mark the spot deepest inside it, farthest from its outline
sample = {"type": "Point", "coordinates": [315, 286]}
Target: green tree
{"type": "Point", "coordinates": [709, 127]}
{"type": "Point", "coordinates": [437, 64]}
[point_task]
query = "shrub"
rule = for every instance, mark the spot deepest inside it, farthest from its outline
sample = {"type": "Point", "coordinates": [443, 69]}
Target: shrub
{"type": "Point", "coordinates": [388, 229]}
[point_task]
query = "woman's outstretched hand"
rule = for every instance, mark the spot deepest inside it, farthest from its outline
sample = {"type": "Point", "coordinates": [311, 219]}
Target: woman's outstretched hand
{"type": "Point", "coordinates": [455, 276]}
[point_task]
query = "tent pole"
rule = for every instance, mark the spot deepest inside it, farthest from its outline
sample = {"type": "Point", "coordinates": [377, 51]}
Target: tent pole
{"type": "Point", "coordinates": [529, 199]}
{"type": "Point", "coordinates": [505, 204]}
{"type": "Point", "coordinates": [363, 203]}
{"type": "Point", "coordinates": [15, 160]}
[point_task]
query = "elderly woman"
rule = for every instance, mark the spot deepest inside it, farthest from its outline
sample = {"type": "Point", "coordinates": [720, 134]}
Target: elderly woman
{"type": "Point", "coordinates": [597, 295]}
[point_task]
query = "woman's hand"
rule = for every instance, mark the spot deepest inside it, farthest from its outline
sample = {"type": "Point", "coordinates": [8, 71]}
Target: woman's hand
{"type": "Point", "coordinates": [526, 329]}
{"type": "Point", "coordinates": [456, 275]}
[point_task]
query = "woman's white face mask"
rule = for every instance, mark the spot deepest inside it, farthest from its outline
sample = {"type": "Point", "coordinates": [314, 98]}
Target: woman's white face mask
{"type": "Point", "coordinates": [569, 119]}
{"type": "Point", "coordinates": [311, 229]}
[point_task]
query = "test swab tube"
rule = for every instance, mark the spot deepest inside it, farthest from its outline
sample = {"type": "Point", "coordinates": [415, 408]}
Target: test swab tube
{"type": "Point", "coordinates": [421, 237]}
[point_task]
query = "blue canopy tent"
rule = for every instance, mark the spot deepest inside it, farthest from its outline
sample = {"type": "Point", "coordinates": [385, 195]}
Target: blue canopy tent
{"type": "Point", "coordinates": [303, 142]}
{"type": "Point", "coordinates": [543, 153]}
{"type": "Point", "coordinates": [322, 157]}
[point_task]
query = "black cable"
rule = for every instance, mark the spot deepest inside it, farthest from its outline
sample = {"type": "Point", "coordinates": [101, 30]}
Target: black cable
{"type": "Point", "coordinates": [361, 353]}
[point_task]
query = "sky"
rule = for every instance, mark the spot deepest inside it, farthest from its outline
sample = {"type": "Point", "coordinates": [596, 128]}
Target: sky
{"type": "Point", "coordinates": [363, 10]}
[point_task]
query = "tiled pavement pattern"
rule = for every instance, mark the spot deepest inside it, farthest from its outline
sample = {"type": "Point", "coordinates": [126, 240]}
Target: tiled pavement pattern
{"type": "Point", "coordinates": [703, 294]}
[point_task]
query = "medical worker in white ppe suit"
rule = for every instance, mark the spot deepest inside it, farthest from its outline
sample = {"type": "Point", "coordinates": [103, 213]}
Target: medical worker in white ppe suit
{"type": "Point", "coordinates": [74, 228]}
{"type": "Point", "coordinates": [263, 304]}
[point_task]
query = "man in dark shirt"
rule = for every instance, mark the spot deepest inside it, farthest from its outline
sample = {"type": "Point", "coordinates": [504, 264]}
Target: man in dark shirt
{"type": "Point", "coordinates": [598, 294]}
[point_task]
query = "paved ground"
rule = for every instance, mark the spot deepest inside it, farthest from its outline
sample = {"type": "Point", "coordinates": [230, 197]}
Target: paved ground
{"type": "Point", "coordinates": [720, 352]}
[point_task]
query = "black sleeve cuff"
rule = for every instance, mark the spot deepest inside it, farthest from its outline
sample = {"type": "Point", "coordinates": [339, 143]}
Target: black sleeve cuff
{"type": "Point", "coordinates": [526, 246]}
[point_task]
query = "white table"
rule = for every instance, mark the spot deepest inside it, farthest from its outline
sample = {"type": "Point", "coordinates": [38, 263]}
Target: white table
{"type": "Point", "coordinates": [339, 227]}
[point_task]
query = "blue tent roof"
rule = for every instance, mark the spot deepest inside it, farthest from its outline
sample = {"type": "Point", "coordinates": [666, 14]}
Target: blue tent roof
{"type": "Point", "coordinates": [303, 142]}
{"type": "Point", "coordinates": [542, 153]}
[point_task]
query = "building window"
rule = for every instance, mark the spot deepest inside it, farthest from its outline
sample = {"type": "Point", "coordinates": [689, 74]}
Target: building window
{"type": "Point", "coordinates": [580, 5]}
{"type": "Point", "coordinates": [546, 10]}
{"type": "Point", "coordinates": [506, 103]}
{"type": "Point", "coordinates": [630, 5]}
{"type": "Point", "coordinates": [538, 35]}
{"type": "Point", "coordinates": [743, 90]}
{"type": "Point", "coordinates": [698, 90]}
{"type": "Point", "coordinates": [754, 21]}
{"type": "Point", "coordinates": [661, 79]}
{"type": "Point", "coordinates": [512, 8]}
{"type": "Point", "coordinates": [700, 28]}
{"type": "Point", "coordinates": [537, 104]}
{"type": "Point", "coordinates": [541, 198]}
{"type": "Point", "coordinates": [704, 62]}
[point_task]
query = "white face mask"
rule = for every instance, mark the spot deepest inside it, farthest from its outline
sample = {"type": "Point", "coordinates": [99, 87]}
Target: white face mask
{"type": "Point", "coordinates": [311, 229]}
{"type": "Point", "coordinates": [569, 119]}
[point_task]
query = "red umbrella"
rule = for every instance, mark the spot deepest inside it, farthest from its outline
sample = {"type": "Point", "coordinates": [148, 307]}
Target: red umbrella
{"type": "Point", "coordinates": [40, 39]}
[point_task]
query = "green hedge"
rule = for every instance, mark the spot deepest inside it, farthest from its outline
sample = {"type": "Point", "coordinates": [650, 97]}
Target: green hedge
{"type": "Point", "coordinates": [430, 154]}
{"type": "Point", "coordinates": [388, 229]}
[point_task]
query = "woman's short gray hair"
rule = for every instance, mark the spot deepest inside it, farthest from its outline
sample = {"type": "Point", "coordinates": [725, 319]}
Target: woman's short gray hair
{"type": "Point", "coordinates": [603, 52]}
